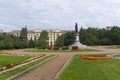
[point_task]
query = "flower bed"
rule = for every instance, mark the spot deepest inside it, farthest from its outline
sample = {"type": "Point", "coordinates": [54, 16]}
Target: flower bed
{"type": "Point", "coordinates": [1, 69]}
{"type": "Point", "coordinates": [95, 57]}
{"type": "Point", "coordinates": [9, 66]}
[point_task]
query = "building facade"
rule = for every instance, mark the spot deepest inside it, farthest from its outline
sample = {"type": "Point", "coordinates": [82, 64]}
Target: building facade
{"type": "Point", "coordinates": [32, 34]}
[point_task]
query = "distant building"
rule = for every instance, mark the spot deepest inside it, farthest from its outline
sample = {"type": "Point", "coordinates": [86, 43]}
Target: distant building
{"type": "Point", "coordinates": [109, 27]}
{"type": "Point", "coordinates": [52, 34]}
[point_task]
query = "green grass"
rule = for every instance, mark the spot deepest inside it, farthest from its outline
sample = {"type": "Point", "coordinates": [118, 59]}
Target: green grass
{"type": "Point", "coordinates": [8, 59]}
{"type": "Point", "coordinates": [114, 46]}
{"type": "Point", "coordinates": [20, 69]}
{"type": "Point", "coordinates": [91, 70]}
{"type": "Point", "coordinates": [42, 50]}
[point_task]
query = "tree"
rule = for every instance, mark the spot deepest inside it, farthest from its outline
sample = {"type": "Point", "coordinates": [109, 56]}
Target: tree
{"type": "Point", "coordinates": [115, 35]}
{"type": "Point", "coordinates": [82, 35]}
{"type": "Point", "coordinates": [31, 43]}
{"type": "Point", "coordinates": [91, 36]}
{"type": "Point", "coordinates": [6, 42]}
{"type": "Point", "coordinates": [23, 38]}
{"type": "Point", "coordinates": [43, 35]}
{"type": "Point", "coordinates": [103, 36]}
{"type": "Point", "coordinates": [42, 42]}
{"type": "Point", "coordinates": [69, 38]}
{"type": "Point", "coordinates": [60, 41]}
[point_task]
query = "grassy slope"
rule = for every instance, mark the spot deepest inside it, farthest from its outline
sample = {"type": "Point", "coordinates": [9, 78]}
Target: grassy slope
{"type": "Point", "coordinates": [7, 59]}
{"type": "Point", "coordinates": [91, 70]}
{"type": "Point", "coordinates": [20, 69]}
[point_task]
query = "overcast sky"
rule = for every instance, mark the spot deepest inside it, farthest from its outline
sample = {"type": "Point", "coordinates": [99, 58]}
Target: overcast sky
{"type": "Point", "coordinates": [58, 14]}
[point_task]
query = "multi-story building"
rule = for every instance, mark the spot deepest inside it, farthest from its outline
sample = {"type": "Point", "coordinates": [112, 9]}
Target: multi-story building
{"type": "Point", "coordinates": [32, 34]}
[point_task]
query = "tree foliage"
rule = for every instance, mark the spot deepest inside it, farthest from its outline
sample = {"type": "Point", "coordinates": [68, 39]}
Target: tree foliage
{"type": "Point", "coordinates": [23, 38]}
{"type": "Point", "coordinates": [95, 36]}
{"type": "Point", "coordinates": [31, 43]}
{"type": "Point", "coordinates": [89, 36]}
{"type": "Point", "coordinates": [60, 41]}
{"type": "Point", "coordinates": [69, 38]}
{"type": "Point", "coordinates": [42, 42]}
{"type": "Point", "coordinates": [65, 39]}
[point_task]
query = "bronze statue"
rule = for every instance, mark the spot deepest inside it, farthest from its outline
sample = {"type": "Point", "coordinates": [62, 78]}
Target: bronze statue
{"type": "Point", "coordinates": [76, 27]}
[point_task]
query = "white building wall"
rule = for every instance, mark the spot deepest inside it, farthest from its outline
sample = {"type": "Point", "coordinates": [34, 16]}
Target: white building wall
{"type": "Point", "coordinates": [52, 35]}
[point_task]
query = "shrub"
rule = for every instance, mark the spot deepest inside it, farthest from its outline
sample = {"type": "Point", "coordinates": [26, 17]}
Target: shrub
{"type": "Point", "coordinates": [74, 47]}
{"type": "Point", "coordinates": [49, 48]}
{"type": "Point", "coordinates": [65, 47]}
{"type": "Point", "coordinates": [56, 48]}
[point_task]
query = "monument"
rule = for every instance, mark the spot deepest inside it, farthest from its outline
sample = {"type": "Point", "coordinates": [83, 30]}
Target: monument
{"type": "Point", "coordinates": [77, 41]}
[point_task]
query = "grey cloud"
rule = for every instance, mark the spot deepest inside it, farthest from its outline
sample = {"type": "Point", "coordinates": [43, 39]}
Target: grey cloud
{"type": "Point", "coordinates": [59, 13]}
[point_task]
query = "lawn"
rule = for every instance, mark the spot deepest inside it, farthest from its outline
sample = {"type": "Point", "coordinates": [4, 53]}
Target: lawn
{"type": "Point", "coordinates": [45, 50]}
{"type": "Point", "coordinates": [8, 59]}
{"type": "Point", "coordinates": [91, 70]}
{"type": "Point", "coordinates": [114, 46]}
{"type": "Point", "coordinates": [20, 69]}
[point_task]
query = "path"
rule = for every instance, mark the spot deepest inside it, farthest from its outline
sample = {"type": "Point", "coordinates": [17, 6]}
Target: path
{"type": "Point", "coordinates": [49, 69]}
{"type": "Point", "coordinates": [46, 71]}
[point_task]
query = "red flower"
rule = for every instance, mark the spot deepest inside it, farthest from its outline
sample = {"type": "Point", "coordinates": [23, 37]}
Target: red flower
{"type": "Point", "coordinates": [9, 65]}
{"type": "Point", "coordinates": [1, 69]}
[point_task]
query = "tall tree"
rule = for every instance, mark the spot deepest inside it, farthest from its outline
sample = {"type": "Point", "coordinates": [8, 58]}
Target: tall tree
{"type": "Point", "coordinates": [115, 35]}
{"type": "Point", "coordinates": [31, 43]}
{"type": "Point", "coordinates": [42, 42]}
{"type": "Point", "coordinates": [60, 41]}
{"type": "Point", "coordinates": [23, 37]}
{"type": "Point", "coordinates": [69, 38]}
{"type": "Point", "coordinates": [82, 35]}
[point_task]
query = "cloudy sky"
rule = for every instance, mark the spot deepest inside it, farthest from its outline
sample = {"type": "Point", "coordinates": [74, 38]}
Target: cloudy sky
{"type": "Point", "coordinates": [58, 14]}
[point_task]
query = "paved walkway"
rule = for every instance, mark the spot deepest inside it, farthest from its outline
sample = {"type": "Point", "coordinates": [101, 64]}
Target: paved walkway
{"type": "Point", "coordinates": [49, 69]}
{"type": "Point", "coordinates": [46, 71]}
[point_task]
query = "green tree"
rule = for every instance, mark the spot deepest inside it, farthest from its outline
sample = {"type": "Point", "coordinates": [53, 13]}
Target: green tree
{"type": "Point", "coordinates": [91, 36]}
{"type": "Point", "coordinates": [43, 35]}
{"type": "Point", "coordinates": [69, 38]}
{"type": "Point", "coordinates": [6, 42]}
{"type": "Point", "coordinates": [82, 35]}
{"type": "Point", "coordinates": [60, 41]}
{"type": "Point", "coordinates": [23, 38]}
{"type": "Point", "coordinates": [31, 43]}
{"type": "Point", "coordinates": [42, 42]}
{"type": "Point", "coordinates": [103, 36]}
{"type": "Point", "coordinates": [115, 35]}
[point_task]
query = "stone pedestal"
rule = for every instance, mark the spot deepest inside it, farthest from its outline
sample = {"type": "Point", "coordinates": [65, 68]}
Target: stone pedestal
{"type": "Point", "coordinates": [77, 42]}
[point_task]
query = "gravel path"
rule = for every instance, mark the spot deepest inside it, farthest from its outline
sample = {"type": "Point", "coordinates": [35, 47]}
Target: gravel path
{"type": "Point", "coordinates": [50, 68]}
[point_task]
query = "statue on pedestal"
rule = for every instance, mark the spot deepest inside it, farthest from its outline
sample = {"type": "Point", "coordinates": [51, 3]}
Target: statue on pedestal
{"type": "Point", "coordinates": [77, 41]}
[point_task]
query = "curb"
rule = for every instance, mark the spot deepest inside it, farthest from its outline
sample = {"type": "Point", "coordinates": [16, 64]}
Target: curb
{"type": "Point", "coordinates": [29, 69]}
{"type": "Point", "coordinates": [62, 68]}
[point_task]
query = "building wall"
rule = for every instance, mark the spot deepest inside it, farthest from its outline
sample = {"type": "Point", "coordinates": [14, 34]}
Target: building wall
{"type": "Point", "coordinates": [52, 35]}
